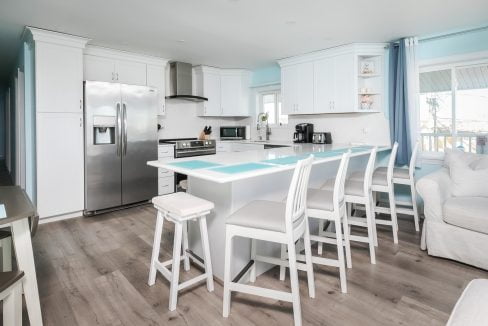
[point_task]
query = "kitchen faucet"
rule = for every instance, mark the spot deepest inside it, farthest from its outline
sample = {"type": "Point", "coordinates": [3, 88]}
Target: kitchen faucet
{"type": "Point", "coordinates": [263, 117]}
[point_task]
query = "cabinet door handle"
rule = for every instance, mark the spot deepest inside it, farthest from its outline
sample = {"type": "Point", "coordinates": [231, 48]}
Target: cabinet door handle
{"type": "Point", "coordinates": [117, 76]}
{"type": "Point", "coordinates": [81, 104]}
{"type": "Point", "coordinates": [113, 76]}
{"type": "Point", "coordinates": [81, 122]}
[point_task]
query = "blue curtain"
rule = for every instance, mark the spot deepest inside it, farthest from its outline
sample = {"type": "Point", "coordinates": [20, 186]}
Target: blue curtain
{"type": "Point", "coordinates": [398, 103]}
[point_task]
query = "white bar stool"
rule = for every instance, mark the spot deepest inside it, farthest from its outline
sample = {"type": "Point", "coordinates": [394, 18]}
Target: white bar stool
{"type": "Point", "coordinates": [329, 205]}
{"type": "Point", "coordinates": [406, 176]}
{"type": "Point", "coordinates": [179, 208]}
{"type": "Point", "coordinates": [278, 222]}
{"type": "Point", "coordinates": [359, 192]}
{"type": "Point", "coordinates": [11, 295]}
{"type": "Point", "coordinates": [383, 182]}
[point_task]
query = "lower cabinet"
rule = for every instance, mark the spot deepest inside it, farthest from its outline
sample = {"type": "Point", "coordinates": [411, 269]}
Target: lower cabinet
{"type": "Point", "coordinates": [60, 163]}
{"type": "Point", "coordinates": [166, 178]}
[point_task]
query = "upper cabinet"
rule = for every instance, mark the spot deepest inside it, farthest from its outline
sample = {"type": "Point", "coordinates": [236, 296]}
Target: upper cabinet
{"type": "Point", "coordinates": [345, 79]}
{"type": "Point", "coordinates": [59, 75]}
{"type": "Point", "coordinates": [298, 90]}
{"type": "Point", "coordinates": [155, 78]}
{"type": "Point", "coordinates": [227, 91]}
{"type": "Point", "coordinates": [101, 64]}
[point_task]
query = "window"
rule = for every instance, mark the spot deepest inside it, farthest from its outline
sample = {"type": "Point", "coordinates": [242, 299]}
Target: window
{"type": "Point", "coordinates": [454, 107]}
{"type": "Point", "coordinates": [271, 104]}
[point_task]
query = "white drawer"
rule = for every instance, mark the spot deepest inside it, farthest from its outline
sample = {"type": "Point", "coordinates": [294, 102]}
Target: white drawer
{"type": "Point", "coordinates": [166, 185]}
{"type": "Point", "coordinates": [166, 151]}
{"type": "Point", "coordinates": [162, 173]}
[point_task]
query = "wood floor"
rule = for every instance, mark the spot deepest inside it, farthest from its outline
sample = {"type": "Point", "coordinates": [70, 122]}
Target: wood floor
{"type": "Point", "coordinates": [93, 271]}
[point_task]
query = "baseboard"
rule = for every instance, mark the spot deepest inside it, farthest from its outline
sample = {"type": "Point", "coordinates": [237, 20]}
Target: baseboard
{"type": "Point", "coordinates": [61, 217]}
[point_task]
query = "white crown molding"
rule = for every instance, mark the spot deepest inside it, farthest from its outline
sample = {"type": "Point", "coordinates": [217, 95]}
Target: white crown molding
{"type": "Point", "coordinates": [359, 48]}
{"type": "Point", "coordinates": [123, 55]}
{"type": "Point", "coordinates": [221, 71]}
{"type": "Point", "coordinates": [46, 36]}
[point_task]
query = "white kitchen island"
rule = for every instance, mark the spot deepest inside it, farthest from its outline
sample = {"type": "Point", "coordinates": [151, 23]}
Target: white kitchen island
{"type": "Point", "coordinates": [231, 180]}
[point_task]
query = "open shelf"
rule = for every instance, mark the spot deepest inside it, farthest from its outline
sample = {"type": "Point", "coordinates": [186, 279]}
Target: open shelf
{"type": "Point", "coordinates": [369, 75]}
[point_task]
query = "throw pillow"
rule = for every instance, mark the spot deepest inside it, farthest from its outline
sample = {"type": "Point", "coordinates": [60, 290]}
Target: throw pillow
{"type": "Point", "coordinates": [449, 154]}
{"type": "Point", "coordinates": [467, 181]}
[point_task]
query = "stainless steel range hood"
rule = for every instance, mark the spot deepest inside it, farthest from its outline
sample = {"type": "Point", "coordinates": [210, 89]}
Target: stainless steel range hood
{"type": "Point", "coordinates": [180, 82]}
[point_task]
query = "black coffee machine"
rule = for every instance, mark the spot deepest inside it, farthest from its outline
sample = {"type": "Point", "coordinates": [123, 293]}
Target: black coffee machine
{"type": "Point", "coordinates": [303, 133]}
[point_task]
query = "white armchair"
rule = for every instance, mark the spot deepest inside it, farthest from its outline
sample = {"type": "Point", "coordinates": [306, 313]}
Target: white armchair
{"type": "Point", "coordinates": [448, 233]}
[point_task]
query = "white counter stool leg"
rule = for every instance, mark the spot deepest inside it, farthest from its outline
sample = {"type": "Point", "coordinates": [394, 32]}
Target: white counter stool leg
{"type": "Point", "coordinates": [179, 208]}
{"type": "Point", "coordinates": [279, 222]}
{"type": "Point", "coordinates": [6, 243]}
{"type": "Point", "coordinates": [11, 295]}
{"type": "Point", "coordinates": [383, 182]}
{"type": "Point", "coordinates": [329, 205]}
{"type": "Point", "coordinates": [404, 176]}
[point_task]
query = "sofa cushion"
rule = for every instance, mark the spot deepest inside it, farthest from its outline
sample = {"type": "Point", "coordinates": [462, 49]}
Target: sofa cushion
{"type": "Point", "coordinates": [467, 181]}
{"type": "Point", "coordinates": [467, 212]}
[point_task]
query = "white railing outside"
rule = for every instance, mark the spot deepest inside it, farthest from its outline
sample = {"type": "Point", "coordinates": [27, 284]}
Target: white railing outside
{"type": "Point", "coordinates": [469, 142]}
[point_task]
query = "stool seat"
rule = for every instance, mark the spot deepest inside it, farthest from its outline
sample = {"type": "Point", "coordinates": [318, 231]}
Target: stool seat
{"type": "Point", "coordinates": [9, 278]}
{"type": "Point", "coordinates": [379, 178]}
{"type": "Point", "coordinates": [260, 214]}
{"type": "Point", "coordinates": [400, 173]}
{"type": "Point", "coordinates": [351, 187]}
{"type": "Point", "coordinates": [182, 204]}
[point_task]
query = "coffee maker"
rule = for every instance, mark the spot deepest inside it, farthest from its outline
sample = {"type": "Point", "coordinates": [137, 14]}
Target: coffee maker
{"type": "Point", "coordinates": [303, 133]}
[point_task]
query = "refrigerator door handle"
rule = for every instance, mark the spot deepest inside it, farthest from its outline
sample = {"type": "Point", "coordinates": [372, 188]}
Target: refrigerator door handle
{"type": "Point", "coordinates": [119, 130]}
{"type": "Point", "coordinates": [124, 144]}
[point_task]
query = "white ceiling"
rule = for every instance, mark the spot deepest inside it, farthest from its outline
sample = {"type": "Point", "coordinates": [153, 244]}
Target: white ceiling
{"type": "Point", "coordinates": [233, 33]}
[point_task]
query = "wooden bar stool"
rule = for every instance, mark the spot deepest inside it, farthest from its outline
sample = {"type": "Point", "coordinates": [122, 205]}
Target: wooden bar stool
{"type": "Point", "coordinates": [277, 222]}
{"type": "Point", "coordinates": [405, 176]}
{"type": "Point", "coordinates": [359, 192]}
{"type": "Point", "coordinates": [11, 295]}
{"type": "Point", "coordinates": [179, 208]}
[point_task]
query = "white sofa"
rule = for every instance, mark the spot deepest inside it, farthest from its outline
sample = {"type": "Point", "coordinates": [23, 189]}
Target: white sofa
{"type": "Point", "coordinates": [454, 227]}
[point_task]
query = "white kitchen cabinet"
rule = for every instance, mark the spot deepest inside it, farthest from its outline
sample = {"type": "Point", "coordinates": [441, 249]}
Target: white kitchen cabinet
{"type": "Point", "coordinates": [230, 94]}
{"type": "Point", "coordinates": [344, 84]}
{"type": "Point", "coordinates": [155, 78]}
{"type": "Point", "coordinates": [60, 163]}
{"type": "Point", "coordinates": [130, 72]}
{"type": "Point", "coordinates": [166, 178]}
{"type": "Point", "coordinates": [59, 78]}
{"type": "Point", "coordinates": [99, 69]}
{"type": "Point", "coordinates": [334, 84]}
{"type": "Point", "coordinates": [211, 89]}
{"type": "Point", "coordinates": [330, 81]}
{"type": "Point", "coordinates": [227, 91]}
{"type": "Point", "coordinates": [298, 88]}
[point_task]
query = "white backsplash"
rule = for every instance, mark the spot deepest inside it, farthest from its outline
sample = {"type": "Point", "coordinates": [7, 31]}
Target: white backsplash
{"type": "Point", "coordinates": [370, 128]}
{"type": "Point", "coordinates": [181, 121]}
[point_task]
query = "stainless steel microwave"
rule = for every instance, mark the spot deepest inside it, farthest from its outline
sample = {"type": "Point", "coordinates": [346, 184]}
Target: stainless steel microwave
{"type": "Point", "coordinates": [233, 132]}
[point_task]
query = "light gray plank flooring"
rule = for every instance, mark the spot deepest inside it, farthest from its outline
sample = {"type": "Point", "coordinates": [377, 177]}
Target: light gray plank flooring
{"type": "Point", "coordinates": [93, 271]}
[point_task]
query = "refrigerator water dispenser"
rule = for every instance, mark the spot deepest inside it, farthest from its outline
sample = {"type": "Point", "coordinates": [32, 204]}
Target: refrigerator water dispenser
{"type": "Point", "coordinates": [103, 130]}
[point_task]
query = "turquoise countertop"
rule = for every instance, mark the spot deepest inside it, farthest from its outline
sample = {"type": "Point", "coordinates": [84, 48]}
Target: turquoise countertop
{"type": "Point", "coordinates": [233, 166]}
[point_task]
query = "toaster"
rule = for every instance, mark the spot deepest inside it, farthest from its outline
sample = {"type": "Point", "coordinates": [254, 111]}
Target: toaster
{"type": "Point", "coordinates": [322, 138]}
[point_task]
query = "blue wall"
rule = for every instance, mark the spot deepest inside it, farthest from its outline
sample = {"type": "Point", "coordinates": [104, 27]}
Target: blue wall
{"type": "Point", "coordinates": [266, 76]}
{"type": "Point", "coordinates": [456, 44]}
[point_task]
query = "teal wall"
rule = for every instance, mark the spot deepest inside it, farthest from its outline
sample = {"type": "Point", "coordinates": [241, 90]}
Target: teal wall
{"type": "Point", "coordinates": [456, 44]}
{"type": "Point", "coordinates": [266, 75]}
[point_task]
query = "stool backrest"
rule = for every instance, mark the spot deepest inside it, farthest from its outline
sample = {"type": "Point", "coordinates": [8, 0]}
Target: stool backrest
{"type": "Point", "coordinates": [296, 203]}
{"type": "Point", "coordinates": [340, 180]}
{"type": "Point", "coordinates": [413, 159]}
{"type": "Point", "coordinates": [391, 163]}
{"type": "Point", "coordinates": [368, 173]}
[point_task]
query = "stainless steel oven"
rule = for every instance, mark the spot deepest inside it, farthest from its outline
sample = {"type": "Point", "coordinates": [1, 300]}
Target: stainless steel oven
{"type": "Point", "coordinates": [233, 132]}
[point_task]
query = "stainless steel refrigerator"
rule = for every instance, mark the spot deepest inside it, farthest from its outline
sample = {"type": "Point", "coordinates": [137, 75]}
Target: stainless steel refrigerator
{"type": "Point", "coordinates": [120, 137]}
